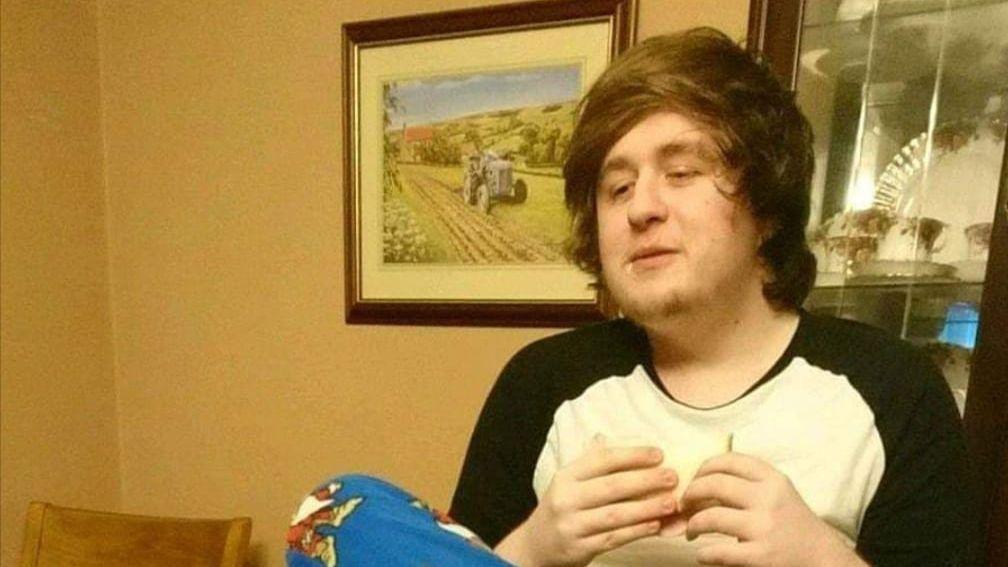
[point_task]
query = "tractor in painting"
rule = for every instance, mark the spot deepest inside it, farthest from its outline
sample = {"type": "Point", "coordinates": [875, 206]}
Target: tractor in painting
{"type": "Point", "coordinates": [488, 178]}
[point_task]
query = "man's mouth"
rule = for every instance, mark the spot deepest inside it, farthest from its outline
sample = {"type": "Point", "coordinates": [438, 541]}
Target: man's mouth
{"type": "Point", "coordinates": [651, 256]}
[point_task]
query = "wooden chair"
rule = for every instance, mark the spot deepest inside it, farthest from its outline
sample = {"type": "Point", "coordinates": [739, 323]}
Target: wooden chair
{"type": "Point", "coordinates": [68, 537]}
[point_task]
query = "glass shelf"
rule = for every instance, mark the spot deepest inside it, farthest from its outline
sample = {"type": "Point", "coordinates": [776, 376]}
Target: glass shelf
{"type": "Point", "coordinates": [954, 286]}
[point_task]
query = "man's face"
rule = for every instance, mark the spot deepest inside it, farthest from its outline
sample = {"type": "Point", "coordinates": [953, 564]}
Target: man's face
{"type": "Point", "coordinates": [673, 233]}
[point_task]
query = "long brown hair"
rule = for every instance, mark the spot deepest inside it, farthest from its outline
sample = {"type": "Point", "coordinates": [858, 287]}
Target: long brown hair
{"type": "Point", "coordinates": [764, 140]}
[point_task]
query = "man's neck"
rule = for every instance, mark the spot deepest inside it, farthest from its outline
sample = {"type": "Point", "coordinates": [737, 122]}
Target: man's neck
{"type": "Point", "coordinates": [710, 356]}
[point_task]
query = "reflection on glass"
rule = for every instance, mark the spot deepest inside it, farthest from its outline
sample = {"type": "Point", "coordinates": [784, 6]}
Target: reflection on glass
{"type": "Point", "coordinates": [908, 100]}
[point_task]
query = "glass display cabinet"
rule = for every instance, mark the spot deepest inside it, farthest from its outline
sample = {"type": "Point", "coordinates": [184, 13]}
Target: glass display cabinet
{"type": "Point", "coordinates": [908, 101]}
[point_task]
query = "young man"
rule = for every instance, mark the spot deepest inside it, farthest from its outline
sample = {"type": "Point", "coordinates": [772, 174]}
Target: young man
{"type": "Point", "coordinates": [822, 442]}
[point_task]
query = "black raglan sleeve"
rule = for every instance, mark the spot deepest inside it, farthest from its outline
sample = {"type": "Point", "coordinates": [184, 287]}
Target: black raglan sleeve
{"type": "Point", "coordinates": [494, 492]}
{"type": "Point", "coordinates": [923, 513]}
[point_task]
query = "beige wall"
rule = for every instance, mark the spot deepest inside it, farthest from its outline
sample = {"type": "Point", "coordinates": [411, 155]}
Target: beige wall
{"type": "Point", "coordinates": [239, 385]}
{"type": "Point", "coordinates": [58, 413]}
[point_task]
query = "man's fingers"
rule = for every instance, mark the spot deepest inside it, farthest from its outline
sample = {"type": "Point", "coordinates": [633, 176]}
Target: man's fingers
{"type": "Point", "coordinates": [720, 520]}
{"type": "Point", "coordinates": [727, 553]}
{"type": "Point", "coordinates": [600, 460]}
{"type": "Point", "coordinates": [626, 485]}
{"type": "Point", "coordinates": [717, 488]}
{"type": "Point", "coordinates": [673, 526]}
{"type": "Point", "coordinates": [607, 541]}
{"type": "Point", "coordinates": [737, 464]}
{"type": "Point", "coordinates": [624, 514]}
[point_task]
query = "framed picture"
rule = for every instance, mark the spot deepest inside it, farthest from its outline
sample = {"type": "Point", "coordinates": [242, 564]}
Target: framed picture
{"type": "Point", "coordinates": [456, 125]}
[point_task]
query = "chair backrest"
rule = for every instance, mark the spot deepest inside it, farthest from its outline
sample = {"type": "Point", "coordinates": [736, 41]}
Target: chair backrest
{"type": "Point", "coordinates": [68, 537]}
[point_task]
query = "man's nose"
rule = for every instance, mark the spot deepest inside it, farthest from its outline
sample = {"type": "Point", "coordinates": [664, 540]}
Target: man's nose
{"type": "Point", "coordinates": [646, 203]}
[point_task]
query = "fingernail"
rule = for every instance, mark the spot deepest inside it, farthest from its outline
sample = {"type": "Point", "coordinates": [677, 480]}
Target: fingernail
{"type": "Point", "coordinates": [669, 505]}
{"type": "Point", "coordinates": [656, 455]}
{"type": "Point", "coordinates": [670, 477]}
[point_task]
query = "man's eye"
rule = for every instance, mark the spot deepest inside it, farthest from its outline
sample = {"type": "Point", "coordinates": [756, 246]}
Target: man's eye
{"type": "Point", "coordinates": [617, 191]}
{"type": "Point", "coordinates": [682, 175]}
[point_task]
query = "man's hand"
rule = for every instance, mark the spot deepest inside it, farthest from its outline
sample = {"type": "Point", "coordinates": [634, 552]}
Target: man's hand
{"type": "Point", "coordinates": [605, 498]}
{"type": "Point", "coordinates": [744, 497]}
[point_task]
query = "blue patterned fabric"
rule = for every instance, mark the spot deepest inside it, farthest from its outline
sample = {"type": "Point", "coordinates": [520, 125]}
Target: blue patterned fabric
{"type": "Point", "coordinates": [356, 520]}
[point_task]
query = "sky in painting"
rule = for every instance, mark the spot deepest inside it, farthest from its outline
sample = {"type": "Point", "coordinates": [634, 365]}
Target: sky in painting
{"type": "Point", "coordinates": [433, 99]}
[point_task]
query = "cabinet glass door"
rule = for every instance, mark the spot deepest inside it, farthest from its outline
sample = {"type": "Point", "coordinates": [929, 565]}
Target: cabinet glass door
{"type": "Point", "coordinates": [908, 100]}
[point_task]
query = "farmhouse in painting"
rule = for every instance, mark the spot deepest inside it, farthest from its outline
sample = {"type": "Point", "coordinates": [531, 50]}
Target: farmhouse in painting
{"type": "Point", "coordinates": [413, 136]}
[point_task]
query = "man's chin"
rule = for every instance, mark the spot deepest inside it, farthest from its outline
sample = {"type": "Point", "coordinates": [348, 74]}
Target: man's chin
{"type": "Point", "coordinates": [647, 308]}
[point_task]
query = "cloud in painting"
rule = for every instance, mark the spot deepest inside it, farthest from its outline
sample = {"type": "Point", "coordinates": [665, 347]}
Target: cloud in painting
{"type": "Point", "coordinates": [434, 99]}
